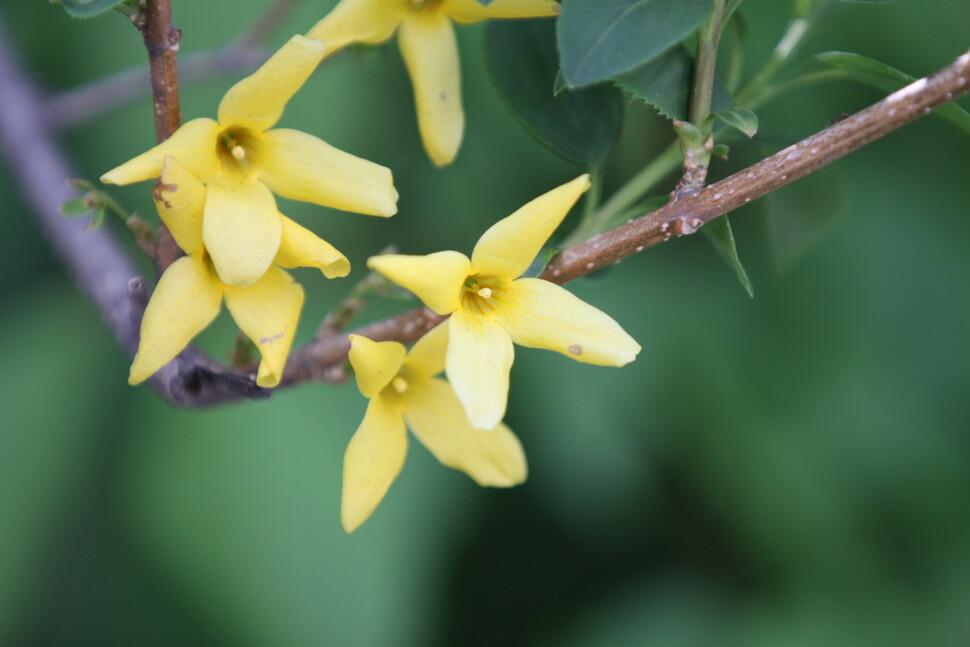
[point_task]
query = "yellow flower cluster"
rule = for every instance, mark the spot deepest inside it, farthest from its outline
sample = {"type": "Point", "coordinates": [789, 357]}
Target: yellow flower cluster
{"type": "Point", "coordinates": [215, 192]}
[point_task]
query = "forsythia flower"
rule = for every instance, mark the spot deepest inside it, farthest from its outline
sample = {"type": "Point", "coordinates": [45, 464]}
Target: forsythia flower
{"type": "Point", "coordinates": [189, 294]}
{"type": "Point", "coordinates": [403, 390]}
{"type": "Point", "coordinates": [491, 308]}
{"type": "Point", "coordinates": [427, 41]}
{"type": "Point", "coordinates": [243, 163]}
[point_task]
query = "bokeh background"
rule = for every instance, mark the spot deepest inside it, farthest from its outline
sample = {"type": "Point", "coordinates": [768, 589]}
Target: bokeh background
{"type": "Point", "coordinates": [792, 469]}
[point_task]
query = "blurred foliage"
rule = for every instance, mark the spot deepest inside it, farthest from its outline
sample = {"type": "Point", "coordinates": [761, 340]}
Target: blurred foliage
{"type": "Point", "coordinates": [792, 469]}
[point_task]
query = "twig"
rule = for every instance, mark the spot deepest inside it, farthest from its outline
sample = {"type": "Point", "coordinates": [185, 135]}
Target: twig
{"type": "Point", "coordinates": [341, 316]}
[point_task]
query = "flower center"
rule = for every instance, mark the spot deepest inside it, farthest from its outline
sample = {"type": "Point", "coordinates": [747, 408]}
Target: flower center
{"type": "Point", "coordinates": [400, 384]}
{"type": "Point", "coordinates": [424, 5]}
{"type": "Point", "coordinates": [234, 146]}
{"type": "Point", "coordinates": [480, 292]}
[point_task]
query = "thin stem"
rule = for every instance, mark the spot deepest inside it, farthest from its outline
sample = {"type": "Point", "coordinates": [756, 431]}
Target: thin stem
{"type": "Point", "coordinates": [796, 31]}
{"type": "Point", "coordinates": [708, 37]}
{"type": "Point", "coordinates": [592, 200]}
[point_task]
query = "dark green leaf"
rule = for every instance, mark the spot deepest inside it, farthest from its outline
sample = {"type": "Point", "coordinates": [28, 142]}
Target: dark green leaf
{"type": "Point", "coordinates": [665, 83]}
{"type": "Point", "coordinates": [88, 8]}
{"type": "Point", "coordinates": [598, 40]}
{"type": "Point", "coordinates": [718, 231]}
{"type": "Point", "coordinates": [866, 1]}
{"type": "Point", "coordinates": [740, 118]}
{"type": "Point", "coordinates": [579, 124]}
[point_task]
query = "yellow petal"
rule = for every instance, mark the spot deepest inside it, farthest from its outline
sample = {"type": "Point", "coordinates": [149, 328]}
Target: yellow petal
{"type": "Point", "coordinates": [300, 247]}
{"type": "Point", "coordinates": [193, 145]}
{"type": "Point", "coordinates": [359, 21]}
{"type": "Point", "coordinates": [301, 167]}
{"type": "Point", "coordinates": [375, 363]}
{"type": "Point", "coordinates": [180, 199]}
{"type": "Point", "coordinates": [492, 457]}
{"type": "Point", "coordinates": [540, 314]}
{"type": "Point", "coordinates": [427, 356]}
{"type": "Point", "coordinates": [373, 460]}
{"type": "Point", "coordinates": [436, 278]}
{"type": "Point", "coordinates": [241, 228]}
{"type": "Point", "coordinates": [472, 10]}
{"type": "Point", "coordinates": [268, 312]}
{"type": "Point", "coordinates": [427, 41]}
{"type": "Point", "coordinates": [479, 359]}
{"type": "Point", "coordinates": [185, 301]}
{"type": "Point", "coordinates": [509, 246]}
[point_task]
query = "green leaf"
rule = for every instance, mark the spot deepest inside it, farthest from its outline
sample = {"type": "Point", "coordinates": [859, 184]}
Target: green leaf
{"type": "Point", "coordinates": [598, 40]}
{"type": "Point", "coordinates": [88, 8]}
{"type": "Point", "coordinates": [76, 207]}
{"type": "Point", "coordinates": [690, 134]}
{"type": "Point", "coordinates": [719, 232]}
{"type": "Point", "coordinates": [665, 83]}
{"type": "Point", "coordinates": [579, 124]}
{"type": "Point", "coordinates": [740, 118]}
{"type": "Point", "coordinates": [855, 67]}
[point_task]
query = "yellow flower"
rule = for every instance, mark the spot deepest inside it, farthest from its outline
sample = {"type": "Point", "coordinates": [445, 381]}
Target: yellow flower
{"type": "Point", "coordinates": [243, 163]}
{"type": "Point", "coordinates": [491, 307]}
{"type": "Point", "coordinates": [403, 390]}
{"type": "Point", "coordinates": [189, 294]}
{"type": "Point", "coordinates": [427, 41]}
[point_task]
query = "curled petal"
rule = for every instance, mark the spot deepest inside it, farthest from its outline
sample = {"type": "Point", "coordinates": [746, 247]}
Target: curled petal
{"type": "Point", "coordinates": [193, 145]}
{"type": "Point", "coordinates": [427, 41]}
{"type": "Point", "coordinates": [268, 312]}
{"type": "Point", "coordinates": [373, 460]}
{"type": "Point", "coordinates": [427, 356]}
{"type": "Point", "coordinates": [509, 246]}
{"type": "Point", "coordinates": [491, 457]}
{"type": "Point", "coordinates": [180, 199]}
{"type": "Point", "coordinates": [185, 301]}
{"type": "Point", "coordinates": [540, 314]}
{"type": "Point", "coordinates": [300, 247]}
{"type": "Point", "coordinates": [466, 11]}
{"type": "Point", "coordinates": [479, 359]}
{"type": "Point", "coordinates": [257, 101]}
{"type": "Point", "coordinates": [436, 278]}
{"type": "Point", "coordinates": [301, 167]}
{"type": "Point", "coordinates": [375, 363]}
{"type": "Point", "coordinates": [241, 228]}
{"type": "Point", "coordinates": [359, 21]}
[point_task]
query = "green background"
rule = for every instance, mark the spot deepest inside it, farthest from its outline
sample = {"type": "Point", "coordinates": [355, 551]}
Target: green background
{"type": "Point", "coordinates": [788, 470]}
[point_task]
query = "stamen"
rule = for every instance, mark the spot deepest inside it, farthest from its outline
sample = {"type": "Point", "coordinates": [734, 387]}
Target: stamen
{"type": "Point", "coordinates": [238, 152]}
{"type": "Point", "coordinates": [400, 384]}
{"type": "Point", "coordinates": [485, 293]}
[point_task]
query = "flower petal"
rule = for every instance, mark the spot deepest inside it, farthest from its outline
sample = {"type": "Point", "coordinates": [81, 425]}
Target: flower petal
{"type": "Point", "coordinates": [268, 312]}
{"type": "Point", "coordinates": [257, 101]}
{"type": "Point", "coordinates": [241, 228]}
{"type": "Point", "coordinates": [373, 460]}
{"type": "Point", "coordinates": [436, 278]}
{"type": "Point", "coordinates": [509, 246]}
{"type": "Point", "coordinates": [193, 145]}
{"type": "Point", "coordinates": [301, 167]}
{"type": "Point", "coordinates": [472, 10]}
{"type": "Point", "coordinates": [479, 359]}
{"type": "Point", "coordinates": [492, 457]}
{"type": "Point", "coordinates": [300, 247]}
{"type": "Point", "coordinates": [427, 41]}
{"type": "Point", "coordinates": [540, 314]}
{"type": "Point", "coordinates": [375, 363]}
{"type": "Point", "coordinates": [180, 199]}
{"type": "Point", "coordinates": [427, 356]}
{"type": "Point", "coordinates": [359, 21]}
{"type": "Point", "coordinates": [185, 301]}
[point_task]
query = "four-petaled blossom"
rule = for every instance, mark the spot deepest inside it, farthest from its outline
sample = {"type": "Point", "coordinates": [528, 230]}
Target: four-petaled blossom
{"type": "Point", "coordinates": [243, 163]}
{"type": "Point", "coordinates": [491, 307]}
{"type": "Point", "coordinates": [403, 390]}
{"type": "Point", "coordinates": [189, 294]}
{"type": "Point", "coordinates": [427, 41]}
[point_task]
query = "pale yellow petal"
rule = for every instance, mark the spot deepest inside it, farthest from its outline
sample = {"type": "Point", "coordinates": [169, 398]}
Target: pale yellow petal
{"type": "Point", "coordinates": [427, 41]}
{"type": "Point", "coordinates": [472, 10]}
{"type": "Point", "coordinates": [241, 228]}
{"type": "Point", "coordinates": [540, 314]}
{"type": "Point", "coordinates": [509, 246]}
{"type": "Point", "coordinates": [193, 145]}
{"type": "Point", "coordinates": [373, 460]}
{"type": "Point", "coordinates": [257, 101]}
{"type": "Point", "coordinates": [268, 312]}
{"type": "Point", "coordinates": [301, 167]}
{"type": "Point", "coordinates": [359, 21]}
{"type": "Point", "coordinates": [300, 247]}
{"type": "Point", "coordinates": [436, 278]}
{"type": "Point", "coordinates": [427, 356]}
{"type": "Point", "coordinates": [492, 457]}
{"type": "Point", "coordinates": [180, 199]}
{"type": "Point", "coordinates": [375, 363]}
{"type": "Point", "coordinates": [185, 301]}
{"type": "Point", "coordinates": [479, 359]}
